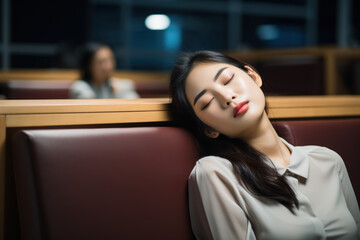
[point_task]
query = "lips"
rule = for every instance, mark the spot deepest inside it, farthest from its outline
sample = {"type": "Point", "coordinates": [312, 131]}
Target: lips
{"type": "Point", "coordinates": [241, 108]}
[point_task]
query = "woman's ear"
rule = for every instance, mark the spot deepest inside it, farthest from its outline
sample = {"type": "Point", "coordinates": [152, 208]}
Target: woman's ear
{"type": "Point", "coordinates": [254, 75]}
{"type": "Point", "coordinates": [211, 133]}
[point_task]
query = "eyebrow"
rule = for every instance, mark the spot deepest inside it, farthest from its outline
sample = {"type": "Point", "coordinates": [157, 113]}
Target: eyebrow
{"type": "Point", "coordinates": [199, 96]}
{"type": "Point", "coordinates": [219, 73]}
{"type": "Point", "coordinates": [204, 91]}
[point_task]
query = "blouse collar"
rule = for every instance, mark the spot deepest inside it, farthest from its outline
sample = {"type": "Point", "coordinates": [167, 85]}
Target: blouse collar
{"type": "Point", "coordinates": [299, 162]}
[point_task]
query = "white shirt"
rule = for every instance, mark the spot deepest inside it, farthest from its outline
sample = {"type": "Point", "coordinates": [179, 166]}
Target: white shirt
{"type": "Point", "coordinates": [115, 88]}
{"type": "Point", "coordinates": [221, 208]}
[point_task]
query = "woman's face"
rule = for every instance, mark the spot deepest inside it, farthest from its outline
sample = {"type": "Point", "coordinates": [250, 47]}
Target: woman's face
{"type": "Point", "coordinates": [226, 98]}
{"type": "Point", "coordinates": [102, 65]}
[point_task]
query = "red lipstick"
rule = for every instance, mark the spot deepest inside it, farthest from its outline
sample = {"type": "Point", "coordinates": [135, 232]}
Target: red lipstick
{"type": "Point", "coordinates": [241, 108]}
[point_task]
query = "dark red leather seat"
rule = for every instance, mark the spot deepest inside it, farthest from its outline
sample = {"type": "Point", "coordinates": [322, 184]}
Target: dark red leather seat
{"type": "Point", "coordinates": [152, 89]}
{"type": "Point", "coordinates": [130, 183]}
{"type": "Point", "coordinates": [56, 89]}
{"type": "Point", "coordinates": [38, 89]}
{"type": "Point", "coordinates": [123, 183]}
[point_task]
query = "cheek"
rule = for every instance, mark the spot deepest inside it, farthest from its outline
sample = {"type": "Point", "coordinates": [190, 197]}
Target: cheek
{"type": "Point", "coordinates": [238, 86]}
{"type": "Point", "coordinates": [94, 69]}
{"type": "Point", "coordinates": [95, 65]}
{"type": "Point", "coordinates": [97, 68]}
{"type": "Point", "coordinates": [253, 91]}
{"type": "Point", "coordinates": [259, 97]}
{"type": "Point", "coordinates": [109, 65]}
{"type": "Point", "coordinates": [211, 117]}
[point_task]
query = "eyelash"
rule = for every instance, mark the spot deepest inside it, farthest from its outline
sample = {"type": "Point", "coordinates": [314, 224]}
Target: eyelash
{"type": "Point", "coordinates": [227, 82]}
{"type": "Point", "coordinates": [204, 107]}
{"type": "Point", "coordinates": [229, 79]}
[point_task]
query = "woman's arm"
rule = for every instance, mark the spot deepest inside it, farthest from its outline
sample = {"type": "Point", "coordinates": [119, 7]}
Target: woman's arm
{"type": "Point", "coordinates": [214, 202]}
{"type": "Point", "coordinates": [348, 192]}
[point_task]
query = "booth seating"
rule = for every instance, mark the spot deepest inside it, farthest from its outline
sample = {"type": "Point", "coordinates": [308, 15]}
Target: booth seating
{"type": "Point", "coordinates": [130, 183]}
{"type": "Point", "coordinates": [124, 183]}
{"type": "Point", "coordinates": [37, 89]}
{"type": "Point", "coordinates": [57, 89]}
{"type": "Point", "coordinates": [152, 89]}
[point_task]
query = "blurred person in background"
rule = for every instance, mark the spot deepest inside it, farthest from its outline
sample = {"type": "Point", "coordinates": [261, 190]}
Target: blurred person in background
{"type": "Point", "coordinates": [97, 64]}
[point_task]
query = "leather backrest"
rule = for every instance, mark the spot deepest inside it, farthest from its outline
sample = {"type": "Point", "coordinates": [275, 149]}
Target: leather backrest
{"type": "Point", "coordinates": [130, 183]}
{"type": "Point", "coordinates": [340, 135]}
{"type": "Point", "coordinates": [38, 89]}
{"type": "Point", "coordinates": [114, 183]}
{"type": "Point", "coordinates": [152, 89]}
{"type": "Point", "coordinates": [56, 89]}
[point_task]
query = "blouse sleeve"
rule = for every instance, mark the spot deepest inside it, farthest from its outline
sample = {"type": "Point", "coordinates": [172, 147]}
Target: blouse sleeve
{"type": "Point", "coordinates": [213, 201]}
{"type": "Point", "coordinates": [81, 90]}
{"type": "Point", "coordinates": [124, 88]}
{"type": "Point", "coordinates": [349, 193]}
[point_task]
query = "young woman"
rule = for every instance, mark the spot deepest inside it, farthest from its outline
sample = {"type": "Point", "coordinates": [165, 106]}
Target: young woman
{"type": "Point", "coordinates": [251, 184]}
{"type": "Point", "coordinates": [97, 64]}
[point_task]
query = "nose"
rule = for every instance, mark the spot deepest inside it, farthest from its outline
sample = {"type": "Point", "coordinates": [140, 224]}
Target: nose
{"type": "Point", "coordinates": [225, 97]}
{"type": "Point", "coordinates": [232, 98]}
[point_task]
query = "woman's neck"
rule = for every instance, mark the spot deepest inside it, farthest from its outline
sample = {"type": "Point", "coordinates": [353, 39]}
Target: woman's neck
{"type": "Point", "coordinates": [266, 140]}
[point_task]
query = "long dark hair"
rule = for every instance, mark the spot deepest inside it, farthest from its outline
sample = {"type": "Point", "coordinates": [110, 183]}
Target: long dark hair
{"type": "Point", "coordinates": [252, 167]}
{"type": "Point", "coordinates": [88, 52]}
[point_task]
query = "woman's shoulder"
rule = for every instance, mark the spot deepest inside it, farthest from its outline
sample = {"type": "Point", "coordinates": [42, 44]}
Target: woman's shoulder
{"type": "Point", "coordinates": [210, 166]}
{"type": "Point", "coordinates": [213, 162]}
{"type": "Point", "coordinates": [314, 150]}
{"type": "Point", "coordinates": [319, 150]}
{"type": "Point", "coordinates": [81, 89]}
{"type": "Point", "coordinates": [323, 154]}
{"type": "Point", "coordinates": [80, 84]}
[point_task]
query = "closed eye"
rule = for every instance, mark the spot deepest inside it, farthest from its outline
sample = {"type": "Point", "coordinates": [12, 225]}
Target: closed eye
{"type": "Point", "coordinates": [228, 81]}
{"type": "Point", "coordinates": [206, 105]}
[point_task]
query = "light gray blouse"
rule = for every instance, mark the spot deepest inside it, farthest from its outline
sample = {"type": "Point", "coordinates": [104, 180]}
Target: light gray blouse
{"type": "Point", "coordinates": [115, 88]}
{"type": "Point", "coordinates": [221, 208]}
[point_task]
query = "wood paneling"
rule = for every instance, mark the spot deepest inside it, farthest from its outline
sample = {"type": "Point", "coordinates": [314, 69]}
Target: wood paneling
{"type": "Point", "coordinates": [21, 113]}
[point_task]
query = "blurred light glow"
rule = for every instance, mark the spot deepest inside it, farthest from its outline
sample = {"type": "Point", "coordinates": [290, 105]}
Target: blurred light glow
{"type": "Point", "coordinates": [173, 36]}
{"type": "Point", "coordinates": [157, 22]}
{"type": "Point", "coordinates": [268, 32]}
